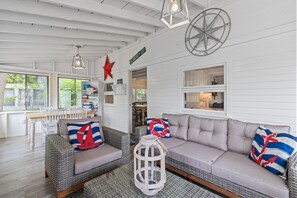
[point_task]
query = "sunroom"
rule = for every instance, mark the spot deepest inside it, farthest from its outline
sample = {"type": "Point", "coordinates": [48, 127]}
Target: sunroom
{"type": "Point", "coordinates": [135, 98]}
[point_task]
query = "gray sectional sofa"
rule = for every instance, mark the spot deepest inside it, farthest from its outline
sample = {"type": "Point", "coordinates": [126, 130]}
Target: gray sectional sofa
{"type": "Point", "coordinates": [217, 150]}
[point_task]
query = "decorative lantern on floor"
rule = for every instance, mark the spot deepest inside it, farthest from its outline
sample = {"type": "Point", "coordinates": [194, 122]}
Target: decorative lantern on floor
{"type": "Point", "coordinates": [149, 165]}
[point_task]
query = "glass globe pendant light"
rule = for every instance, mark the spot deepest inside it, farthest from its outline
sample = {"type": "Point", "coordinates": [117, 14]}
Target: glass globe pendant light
{"type": "Point", "coordinates": [77, 62]}
{"type": "Point", "coordinates": [175, 13]}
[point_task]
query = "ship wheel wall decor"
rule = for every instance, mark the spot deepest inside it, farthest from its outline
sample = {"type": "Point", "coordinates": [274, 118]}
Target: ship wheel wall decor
{"type": "Point", "coordinates": [207, 32]}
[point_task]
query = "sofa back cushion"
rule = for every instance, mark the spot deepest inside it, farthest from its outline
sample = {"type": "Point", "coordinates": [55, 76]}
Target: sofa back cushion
{"type": "Point", "coordinates": [209, 132]}
{"type": "Point", "coordinates": [62, 126]}
{"type": "Point", "coordinates": [178, 125]}
{"type": "Point", "coordinates": [241, 134]}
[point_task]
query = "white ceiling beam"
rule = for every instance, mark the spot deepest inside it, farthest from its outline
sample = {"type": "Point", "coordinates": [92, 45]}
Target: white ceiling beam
{"type": "Point", "coordinates": [52, 56]}
{"type": "Point", "coordinates": [12, 27]}
{"type": "Point", "coordinates": [23, 38]}
{"type": "Point", "coordinates": [97, 7]}
{"type": "Point", "coordinates": [41, 20]}
{"type": "Point", "coordinates": [151, 4]}
{"type": "Point", "coordinates": [201, 3]}
{"type": "Point", "coordinates": [49, 51]}
{"type": "Point", "coordinates": [23, 46]}
{"type": "Point", "coordinates": [41, 59]}
{"type": "Point", "coordinates": [53, 11]}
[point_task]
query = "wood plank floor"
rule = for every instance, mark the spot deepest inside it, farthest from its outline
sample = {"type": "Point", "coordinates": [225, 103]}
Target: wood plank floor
{"type": "Point", "coordinates": [22, 170]}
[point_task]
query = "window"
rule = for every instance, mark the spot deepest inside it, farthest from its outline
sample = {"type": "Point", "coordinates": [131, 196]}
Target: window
{"type": "Point", "coordinates": [204, 90]}
{"type": "Point", "coordinates": [25, 92]}
{"type": "Point", "coordinates": [70, 92]}
{"type": "Point", "coordinates": [108, 93]}
{"type": "Point", "coordinates": [139, 95]}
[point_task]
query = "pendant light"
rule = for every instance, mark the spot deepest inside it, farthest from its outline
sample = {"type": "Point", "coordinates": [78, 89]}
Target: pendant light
{"type": "Point", "coordinates": [77, 62]}
{"type": "Point", "coordinates": [175, 13]}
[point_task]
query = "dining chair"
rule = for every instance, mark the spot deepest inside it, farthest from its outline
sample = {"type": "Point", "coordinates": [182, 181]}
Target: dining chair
{"type": "Point", "coordinates": [49, 125]}
{"type": "Point", "coordinates": [77, 112]}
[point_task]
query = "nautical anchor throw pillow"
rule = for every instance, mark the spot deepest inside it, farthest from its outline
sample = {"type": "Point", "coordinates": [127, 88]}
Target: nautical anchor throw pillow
{"type": "Point", "coordinates": [272, 150]}
{"type": "Point", "coordinates": [84, 135]}
{"type": "Point", "coordinates": [158, 127]}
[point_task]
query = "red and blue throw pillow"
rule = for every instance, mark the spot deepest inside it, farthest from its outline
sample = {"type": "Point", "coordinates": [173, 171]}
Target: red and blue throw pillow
{"type": "Point", "coordinates": [158, 127]}
{"type": "Point", "coordinates": [84, 135]}
{"type": "Point", "coordinates": [272, 150]}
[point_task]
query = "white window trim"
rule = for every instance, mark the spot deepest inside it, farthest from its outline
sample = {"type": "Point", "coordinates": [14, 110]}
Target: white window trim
{"type": "Point", "coordinates": [218, 88]}
{"type": "Point", "coordinates": [109, 93]}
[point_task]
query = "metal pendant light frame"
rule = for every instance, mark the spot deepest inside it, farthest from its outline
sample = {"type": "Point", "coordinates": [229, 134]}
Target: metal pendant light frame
{"type": "Point", "coordinates": [76, 58]}
{"type": "Point", "coordinates": [181, 12]}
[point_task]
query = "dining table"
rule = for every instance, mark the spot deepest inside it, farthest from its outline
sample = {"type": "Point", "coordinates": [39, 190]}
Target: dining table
{"type": "Point", "coordinates": [34, 117]}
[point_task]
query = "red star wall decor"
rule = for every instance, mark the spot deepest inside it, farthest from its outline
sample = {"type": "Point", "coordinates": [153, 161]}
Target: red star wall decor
{"type": "Point", "coordinates": [107, 68]}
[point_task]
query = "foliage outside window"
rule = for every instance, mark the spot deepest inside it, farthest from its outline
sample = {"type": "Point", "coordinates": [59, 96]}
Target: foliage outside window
{"type": "Point", "coordinates": [204, 89]}
{"type": "Point", "coordinates": [25, 92]}
{"type": "Point", "coordinates": [139, 95]}
{"type": "Point", "coordinates": [70, 92]}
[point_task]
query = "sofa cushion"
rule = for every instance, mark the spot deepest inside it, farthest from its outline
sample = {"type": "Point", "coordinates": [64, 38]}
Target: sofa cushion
{"type": "Point", "coordinates": [178, 125]}
{"type": "Point", "coordinates": [171, 142]}
{"type": "Point", "coordinates": [62, 126]}
{"type": "Point", "coordinates": [241, 134]}
{"type": "Point", "coordinates": [196, 155]}
{"type": "Point", "coordinates": [89, 159]}
{"type": "Point", "coordinates": [272, 150]}
{"type": "Point", "coordinates": [238, 168]}
{"type": "Point", "coordinates": [209, 132]}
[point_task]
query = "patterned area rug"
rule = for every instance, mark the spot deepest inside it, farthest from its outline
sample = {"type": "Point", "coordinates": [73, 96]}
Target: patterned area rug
{"type": "Point", "coordinates": [120, 183]}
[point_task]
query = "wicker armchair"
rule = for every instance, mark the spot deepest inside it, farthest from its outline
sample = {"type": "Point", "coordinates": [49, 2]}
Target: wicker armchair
{"type": "Point", "coordinates": [60, 159]}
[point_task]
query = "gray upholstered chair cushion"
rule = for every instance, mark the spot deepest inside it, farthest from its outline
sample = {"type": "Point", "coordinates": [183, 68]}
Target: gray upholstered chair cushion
{"type": "Point", "coordinates": [92, 158]}
{"type": "Point", "coordinates": [62, 126]}
{"type": "Point", "coordinates": [196, 155]}
{"type": "Point", "coordinates": [238, 168]}
{"type": "Point", "coordinates": [241, 134]}
{"type": "Point", "coordinates": [178, 125]}
{"type": "Point", "coordinates": [171, 142]}
{"type": "Point", "coordinates": [209, 132]}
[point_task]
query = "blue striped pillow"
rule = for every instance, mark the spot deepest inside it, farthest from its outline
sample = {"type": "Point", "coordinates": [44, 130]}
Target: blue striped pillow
{"type": "Point", "coordinates": [84, 135]}
{"type": "Point", "coordinates": [272, 150]}
{"type": "Point", "coordinates": [158, 127]}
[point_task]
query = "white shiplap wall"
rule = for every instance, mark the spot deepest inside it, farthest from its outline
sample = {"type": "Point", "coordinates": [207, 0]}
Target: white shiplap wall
{"type": "Point", "coordinates": [260, 56]}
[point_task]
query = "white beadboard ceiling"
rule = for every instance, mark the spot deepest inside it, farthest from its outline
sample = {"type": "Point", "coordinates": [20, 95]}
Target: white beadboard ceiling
{"type": "Point", "coordinates": [48, 30]}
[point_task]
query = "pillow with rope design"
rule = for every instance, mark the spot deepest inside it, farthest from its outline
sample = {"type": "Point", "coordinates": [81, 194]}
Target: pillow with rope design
{"type": "Point", "coordinates": [272, 150]}
{"type": "Point", "coordinates": [158, 127]}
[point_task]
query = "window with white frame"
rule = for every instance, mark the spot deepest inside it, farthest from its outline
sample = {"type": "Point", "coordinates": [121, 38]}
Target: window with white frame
{"type": "Point", "coordinates": [204, 89]}
{"type": "Point", "coordinates": [23, 91]}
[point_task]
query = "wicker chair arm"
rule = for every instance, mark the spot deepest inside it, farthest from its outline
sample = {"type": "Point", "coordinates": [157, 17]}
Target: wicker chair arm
{"type": "Point", "coordinates": [139, 132]}
{"type": "Point", "coordinates": [292, 175]}
{"type": "Point", "coordinates": [59, 160]}
{"type": "Point", "coordinates": [118, 139]}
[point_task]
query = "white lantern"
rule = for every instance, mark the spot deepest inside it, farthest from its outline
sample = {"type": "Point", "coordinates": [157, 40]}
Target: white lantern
{"type": "Point", "coordinates": [149, 153]}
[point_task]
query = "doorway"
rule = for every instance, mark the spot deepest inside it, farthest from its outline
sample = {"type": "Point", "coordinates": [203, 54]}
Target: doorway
{"type": "Point", "coordinates": [139, 98]}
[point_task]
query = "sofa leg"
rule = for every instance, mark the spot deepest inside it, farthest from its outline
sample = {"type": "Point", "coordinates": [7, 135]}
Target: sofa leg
{"type": "Point", "coordinates": [62, 194]}
{"type": "Point", "coordinates": [45, 173]}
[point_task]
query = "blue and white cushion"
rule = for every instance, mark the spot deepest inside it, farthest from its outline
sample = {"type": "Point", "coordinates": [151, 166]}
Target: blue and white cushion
{"type": "Point", "coordinates": [272, 150]}
{"type": "Point", "coordinates": [158, 127]}
{"type": "Point", "coordinates": [84, 135]}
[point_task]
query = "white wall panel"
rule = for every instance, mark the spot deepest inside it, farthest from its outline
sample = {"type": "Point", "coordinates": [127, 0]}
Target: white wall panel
{"type": "Point", "coordinates": [260, 56]}
{"type": "Point", "coordinates": [16, 125]}
{"type": "Point", "coordinates": [46, 66]}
